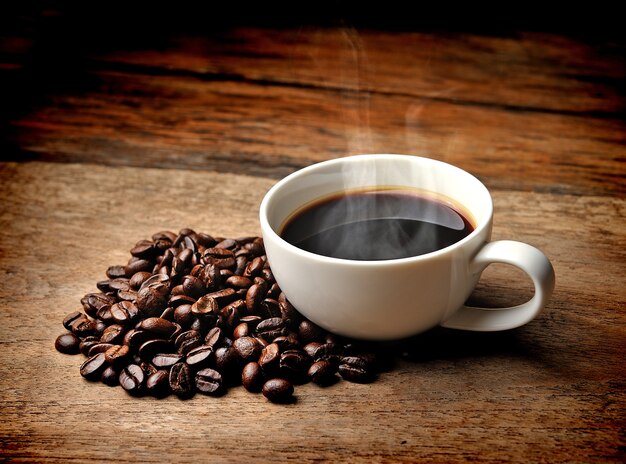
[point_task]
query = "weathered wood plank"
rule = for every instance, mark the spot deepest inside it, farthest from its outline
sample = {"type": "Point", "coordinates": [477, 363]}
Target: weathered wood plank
{"type": "Point", "coordinates": [243, 127]}
{"type": "Point", "coordinates": [553, 390]}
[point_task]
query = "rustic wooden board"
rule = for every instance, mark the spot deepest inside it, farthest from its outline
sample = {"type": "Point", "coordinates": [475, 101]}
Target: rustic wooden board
{"type": "Point", "coordinates": [530, 112]}
{"type": "Point", "coordinates": [553, 390]}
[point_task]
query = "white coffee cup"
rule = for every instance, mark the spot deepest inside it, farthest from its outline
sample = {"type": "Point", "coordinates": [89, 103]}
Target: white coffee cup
{"type": "Point", "coordinates": [392, 299]}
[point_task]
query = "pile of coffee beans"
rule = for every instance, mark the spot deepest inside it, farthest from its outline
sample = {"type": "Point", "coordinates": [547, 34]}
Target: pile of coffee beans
{"type": "Point", "coordinates": [191, 313]}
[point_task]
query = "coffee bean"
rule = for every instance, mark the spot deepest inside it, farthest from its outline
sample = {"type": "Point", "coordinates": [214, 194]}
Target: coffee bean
{"type": "Point", "coordinates": [138, 279]}
{"type": "Point", "coordinates": [241, 330]}
{"type": "Point", "coordinates": [114, 272]}
{"type": "Point", "coordinates": [138, 265]}
{"type": "Point", "coordinates": [183, 316]}
{"type": "Point", "coordinates": [160, 327]}
{"type": "Point", "coordinates": [158, 384]}
{"type": "Point", "coordinates": [149, 349]}
{"type": "Point", "coordinates": [254, 296]}
{"type": "Point", "coordinates": [94, 366]}
{"type": "Point", "coordinates": [322, 372]}
{"type": "Point", "coordinates": [181, 382]}
{"type": "Point", "coordinates": [132, 378]}
{"type": "Point", "coordinates": [210, 276]}
{"type": "Point", "coordinates": [330, 352]}
{"type": "Point", "coordinates": [254, 268]}
{"type": "Point", "coordinates": [83, 327]}
{"type": "Point", "coordinates": [94, 302]}
{"type": "Point", "coordinates": [294, 365]}
{"type": "Point", "coordinates": [193, 286]}
{"type": "Point", "coordinates": [227, 360]}
{"type": "Point", "coordinates": [209, 382]}
{"type": "Point", "coordinates": [214, 337]}
{"type": "Point", "coordinates": [309, 332]}
{"type": "Point", "coordinates": [252, 377]}
{"type": "Point", "coordinates": [87, 342]}
{"type": "Point", "coordinates": [110, 377]}
{"type": "Point", "coordinates": [278, 390]}
{"type": "Point", "coordinates": [99, 348]}
{"type": "Point", "coordinates": [144, 249]}
{"type": "Point", "coordinates": [271, 328]}
{"type": "Point", "coordinates": [289, 314]}
{"type": "Point", "coordinates": [270, 357]}
{"type": "Point", "coordinates": [152, 299]}
{"type": "Point", "coordinates": [166, 360]}
{"type": "Point", "coordinates": [117, 355]}
{"type": "Point", "coordinates": [287, 342]}
{"type": "Point", "coordinates": [119, 284]}
{"type": "Point", "coordinates": [113, 334]}
{"type": "Point", "coordinates": [71, 318]}
{"type": "Point", "coordinates": [67, 343]}
{"type": "Point", "coordinates": [236, 281]}
{"type": "Point", "coordinates": [247, 348]}
{"type": "Point", "coordinates": [124, 312]}
{"type": "Point", "coordinates": [206, 307]}
{"type": "Point", "coordinates": [134, 338]}
{"type": "Point", "coordinates": [199, 357]}
{"type": "Point", "coordinates": [187, 341]}
{"type": "Point", "coordinates": [356, 369]}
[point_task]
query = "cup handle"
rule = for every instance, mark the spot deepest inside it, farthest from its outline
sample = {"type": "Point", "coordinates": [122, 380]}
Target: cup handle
{"type": "Point", "coordinates": [530, 260]}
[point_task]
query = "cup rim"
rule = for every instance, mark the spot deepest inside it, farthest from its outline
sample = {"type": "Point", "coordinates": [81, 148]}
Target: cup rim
{"type": "Point", "coordinates": [266, 228]}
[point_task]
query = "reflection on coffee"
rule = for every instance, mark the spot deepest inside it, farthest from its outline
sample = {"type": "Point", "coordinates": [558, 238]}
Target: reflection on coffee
{"type": "Point", "coordinates": [377, 224]}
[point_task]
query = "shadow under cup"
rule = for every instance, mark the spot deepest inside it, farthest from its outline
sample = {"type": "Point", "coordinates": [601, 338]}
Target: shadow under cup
{"type": "Point", "coordinates": [385, 299]}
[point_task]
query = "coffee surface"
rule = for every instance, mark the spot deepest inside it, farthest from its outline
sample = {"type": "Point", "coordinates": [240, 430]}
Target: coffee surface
{"type": "Point", "coordinates": [376, 225]}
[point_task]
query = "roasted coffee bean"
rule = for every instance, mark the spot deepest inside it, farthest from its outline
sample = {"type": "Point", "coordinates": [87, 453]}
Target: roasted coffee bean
{"type": "Point", "coordinates": [199, 357]}
{"type": "Point", "coordinates": [214, 337]}
{"type": "Point", "coordinates": [87, 342]}
{"type": "Point", "coordinates": [271, 328]}
{"type": "Point", "coordinates": [223, 296]}
{"type": "Point", "coordinates": [322, 372]}
{"type": "Point", "coordinates": [94, 366]}
{"type": "Point", "coordinates": [134, 338]}
{"type": "Point", "coordinates": [254, 296]}
{"type": "Point", "coordinates": [113, 334]}
{"type": "Point", "coordinates": [183, 316]}
{"type": "Point", "coordinates": [187, 341]}
{"type": "Point", "coordinates": [229, 316]}
{"type": "Point", "coordinates": [210, 276]}
{"type": "Point", "coordinates": [99, 348]}
{"type": "Point", "coordinates": [110, 377]}
{"type": "Point", "coordinates": [138, 279]}
{"type": "Point", "coordinates": [311, 348]}
{"type": "Point", "coordinates": [99, 328]}
{"type": "Point", "coordinates": [161, 328]}
{"type": "Point", "coordinates": [252, 377]}
{"type": "Point", "coordinates": [158, 384]}
{"type": "Point", "coordinates": [144, 249]}
{"type": "Point", "coordinates": [71, 318]}
{"type": "Point", "coordinates": [209, 382]}
{"type": "Point", "coordinates": [152, 299]}
{"type": "Point", "coordinates": [227, 360]}
{"type": "Point", "coordinates": [113, 272]}
{"type": "Point", "coordinates": [193, 286]}
{"type": "Point", "coordinates": [289, 314]}
{"type": "Point", "coordinates": [247, 348]}
{"type": "Point", "coordinates": [124, 312]}
{"type": "Point", "coordinates": [331, 352]}
{"type": "Point", "coordinates": [117, 355]}
{"type": "Point", "coordinates": [356, 369]}
{"type": "Point", "coordinates": [228, 243]}
{"type": "Point", "coordinates": [254, 267]}
{"type": "Point", "coordinates": [149, 349]}
{"type": "Point", "coordinates": [309, 332]}
{"type": "Point", "coordinates": [119, 284]}
{"type": "Point", "coordinates": [270, 357]}
{"type": "Point", "coordinates": [287, 342]}
{"type": "Point", "coordinates": [181, 382]}
{"type": "Point", "coordinates": [206, 307]}
{"type": "Point", "coordinates": [166, 360]}
{"type": "Point", "coordinates": [168, 314]}
{"type": "Point", "coordinates": [67, 343]}
{"type": "Point", "coordinates": [127, 295]}
{"type": "Point", "coordinates": [83, 328]}
{"type": "Point", "coordinates": [236, 281]}
{"type": "Point", "coordinates": [164, 235]}
{"type": "Point", "coordinates": [294, 365]}
{"type": "Point", "coordinates": [241, 330]}
{"type": "Point", "coordinates": [103, 286]}
{"type": "Point", "coordinates": [269, 308]}
{"type": "Point", "coordinates": [273, 291]}
{"type": "Point", "coordinates": [252, 321]}
{"type": "Point", "coordinates": [94, 302]}
{"type": "Point", "coordinates": [132, 378]}
{"type": "Point", "coordinates": [278, 390]}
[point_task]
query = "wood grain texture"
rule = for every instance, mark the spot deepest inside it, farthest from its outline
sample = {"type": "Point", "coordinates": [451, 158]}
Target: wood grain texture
{"type": "Point", "coordinates": [552, 391]}
{"type": "Point", "coordinates": [532, 112]}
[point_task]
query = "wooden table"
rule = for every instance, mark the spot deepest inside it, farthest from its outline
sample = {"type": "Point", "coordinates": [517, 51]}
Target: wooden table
{"type": "Point", "coordinates": [111, 134]}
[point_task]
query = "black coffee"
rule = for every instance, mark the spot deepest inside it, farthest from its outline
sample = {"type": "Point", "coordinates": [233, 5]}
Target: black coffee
{"type": "Point", "coordinates": [376, 225]}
